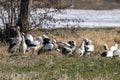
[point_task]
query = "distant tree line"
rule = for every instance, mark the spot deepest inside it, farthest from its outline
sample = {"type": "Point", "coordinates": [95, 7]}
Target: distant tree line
{"type": "Point", "coordinates": [113, 1]}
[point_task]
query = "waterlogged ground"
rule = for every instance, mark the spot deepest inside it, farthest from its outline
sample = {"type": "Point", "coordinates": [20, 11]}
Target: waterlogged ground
{"type": "Point", "coordinates": [82, 18]}
{"type": "Point", "coordinates": [71, 18]}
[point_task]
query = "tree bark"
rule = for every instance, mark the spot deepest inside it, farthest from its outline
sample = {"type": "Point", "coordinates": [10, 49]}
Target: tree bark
{"type": "Point", "coordinates": [24, 17]}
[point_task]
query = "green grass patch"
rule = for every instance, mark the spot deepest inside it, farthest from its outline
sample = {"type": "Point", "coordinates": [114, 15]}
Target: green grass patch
{"type": "Point", "coordinates": [66, 68]}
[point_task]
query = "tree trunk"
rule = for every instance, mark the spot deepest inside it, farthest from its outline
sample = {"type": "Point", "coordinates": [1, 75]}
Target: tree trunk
{"type": "Point", "coordinates": [24, 17]}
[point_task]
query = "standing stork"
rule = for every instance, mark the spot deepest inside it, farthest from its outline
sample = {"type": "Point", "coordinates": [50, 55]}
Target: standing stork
{"type": "Point", "coordinates": [23, 45]}
{"type": "Point", "coordinates": [15, 41]}
{"type": "Point", "coordinates": [85, 47]}
{"type": "Point", "coordinates": [80, 50]}
{"type": "Point", "coordinates": [19, 36]}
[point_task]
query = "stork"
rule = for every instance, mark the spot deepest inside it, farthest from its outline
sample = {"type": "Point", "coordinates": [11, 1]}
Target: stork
{"type": "Point", "coordinates": [15, 41]}
{"type": "Point", "coordinates": [51, 45]}
{"type": "Point", "coordinates": [63, 44]}
{"type": "Point", "coordinates": [46, 39]}
{"type": "Point", "coordinates": [80, 50]}
{"type": "Point", "coordinates": [23, 45]}
{"type": "Point", "coordinates": [111, 52]}
{"type": "Point", "coordinates": [28, 38]}
{"type": "Point", "coordinates": [108, 52]}
{"type": "Point", "coordinates": [89, 48]}
{"type": "Point", "coordinates": [35, 44]}
{"type": "Point", "coordinates": [113, 48]}
{"type": "Point", "coordinates": [116, 53]}
{"type": "Point", "coordinates": [67, 48]}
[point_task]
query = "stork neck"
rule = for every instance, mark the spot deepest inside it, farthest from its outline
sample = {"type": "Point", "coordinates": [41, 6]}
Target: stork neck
{"type": "Point", "coordinates": [23, 39]}
{"type": "Point", "coordinates": [116, 45]}
{"type": "Point", "coordinates": [19, 34]}
{"type": "Point", "coordinates": [106, 47]}
{"type": "Point", "coordinates": [82, 44]}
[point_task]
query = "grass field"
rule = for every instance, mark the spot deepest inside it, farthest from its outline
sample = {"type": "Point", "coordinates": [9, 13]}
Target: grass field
{"type": "Point", "coordinates": [54, 66]}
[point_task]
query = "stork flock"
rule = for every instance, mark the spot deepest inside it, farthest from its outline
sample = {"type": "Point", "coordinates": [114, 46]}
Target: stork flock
{"type": "Point", "coordinates": [26, 42]}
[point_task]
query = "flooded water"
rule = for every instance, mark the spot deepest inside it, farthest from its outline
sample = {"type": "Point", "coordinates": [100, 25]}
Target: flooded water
{"type": "Point", "coordinates": [74, 18]}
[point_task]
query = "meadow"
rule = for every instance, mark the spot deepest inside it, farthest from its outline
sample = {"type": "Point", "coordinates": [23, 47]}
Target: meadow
{"type": "Point", "coordinates": [54, 66]}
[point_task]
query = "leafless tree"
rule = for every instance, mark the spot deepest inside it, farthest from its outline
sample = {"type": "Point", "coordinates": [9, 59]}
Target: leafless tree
{"type": "Point", "coordinates": [24, 17]}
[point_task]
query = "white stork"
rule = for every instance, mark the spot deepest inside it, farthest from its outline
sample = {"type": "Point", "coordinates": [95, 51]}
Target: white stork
{"type": "Point", "coordinates": [67, 48]}
{"type": "Point", "coordinates": [51, 45]}
{"type": "Point", "coordinates": [107, 52]}
{"type": "Point", "coordinates": [80, 50]}
{"type": "Point", "coordinates": [15, 41]}
{"type": "Point", "coordinates": [46, 39]}
{"type": "Point", "coordinates": [23, 45]}
{"type": "Point", "coordinates": [112, 51]}
{"type": "Point", "coordinates": [113, 48]}
{"type": "Point", "coordinates": [35, 44]}
{"type": "Point", "coordinates": [116, 53]}
{"type": "Point", "coordinates": [89, 47]}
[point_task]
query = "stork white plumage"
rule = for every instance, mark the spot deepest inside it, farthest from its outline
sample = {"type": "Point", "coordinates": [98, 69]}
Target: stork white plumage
{"type": "Point", "coordinates": [67, 48]}
{"type": "Point", "coordinates": [85, 47]}
{"type": "Point", "coordinates": [116, 53]}
{"type": "Point", "coordinates": [86, 40]}
{"type": "Point", "coordinates": [89, 48]}
{"type": "Point", "coordinates": [113, 51]}
{"type": "Point", "coordinates": [63, 44]}
{"type": "Point", "coordinates": [51, 45]}
{"type": "Point", "coordinates": [29, 37]}
{"type": "Point", "coordinates": [108, 52]}
{"type": "Point", "coordinates": [19, 36]}
{"type": "Point", "coordinates": [44, 36]}
{"type": "Point", "coordinates": [113, 48]}
{"type": "Point", "coordinates": [80, 50]}
{"type": "Point", "coordinates": [35, 44]}
{"type": "Point", "coordinates": [23, 45]}
{"type": "Point", "coordinates": [106, 47]}
{"type": "Point", "coordinates": [15, 41]}
{"type": "Point", "coordinates": [72, 47]}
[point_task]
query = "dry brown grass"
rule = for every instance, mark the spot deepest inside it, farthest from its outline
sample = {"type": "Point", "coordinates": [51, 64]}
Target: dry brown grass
{"type": "Point", "coordinates": [54, 66]}
{"type": "Point", "coordinates": [99, 36]}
